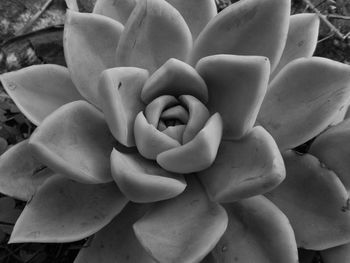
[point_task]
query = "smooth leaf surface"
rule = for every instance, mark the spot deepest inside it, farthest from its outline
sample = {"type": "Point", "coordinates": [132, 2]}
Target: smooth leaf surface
{"type": "Point", "coordinates": [39, 90]}
{"type": "Point", "coordinates": [196, 155]}
{"type": "Point", "coordinates": [257, 232]}
{"type": "Point", "coordinates": [143, 181]}
{"type": "Point", "coordinates": [197, 13]}
{"type": "Point", "coordinates": [332, 149]}
{"type": "Point", "coordinates": [155, 108]}
{"type": "Point", "coordinates": [76, 142]}
{"type": "Point", "coordinates": [250, 166]}
{"type": "Point", "coordinates": [182, 229]}
{"type": "Point", "coordinates": [20, 173]}
{"type": "Point", "coordinates": [175, 78]}
{"type": "Point", "coordinates": [198, 117]}
{"type": "Point", "coordinates": [149, 141]}
{"type": "Point", "coordinates": [304, 99]}
{"type": "Point", "coordinates": [117, 242]}
{"type": "Point", "coordinates": [64, 210]}
{"type": "Point", "coordinates": [119, 10]}
{"type": "Point", "coordinates": [237, 86]}
{"type": "Point", "coordinates": [301, 40]}
{"type": "Point", "coordinates": [154, 33]}
{"type": "Point", "coordinates": [120, 92]}
{"type": "Point", "coordinates": [90, 41]}
{"type": "Point", "coordinates": [315, 201]}
{"type": "Point", "coordinates": [249, 27]}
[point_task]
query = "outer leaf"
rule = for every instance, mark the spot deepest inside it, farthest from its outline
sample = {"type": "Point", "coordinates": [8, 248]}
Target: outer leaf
{"type": "Point", "coordinates": [304, 99]}
{"type": "Point", "coordinates": [250, 166]}
{"type": "Point", "coordinates": [39, 90]}
{"type": "Point", "coordinates": [120, 92]}
{"type": "Point", "coordinates": [183, 229]}
{"type": "Point", "coordinates": [237, 86]}
{"type": "Point", "coordinates": [117, 241]}
{"type": "Point", "coordinates": [75, 141]}
{"type": "Point", "coordinates": [64, 210]}
{"type": "Point", "coordinates": [150, 141]}
{"type": "Point", "coordinates": [196, 155]}
{"type": "Point", "coordinates": [90, 42]}
{"type": "Point", "coordinates": [154, 33]}
{"type": "Point", "coordinates": [340, 254]}
{"type": "Point", "coordinates": [142, 180]}
{"type": "Point", "coordinates": [247, 27]}
{"type": "Point", "coordinates": [119, 10]}
{"type": "Point", "coordinates": [20, 173]}
{"type": "Point", "coordinates": [174, 78]}
{"type": "Point", "coordinates": [332, 149]}
{"type": "Point", "coordinates": [301, 40]}
{"type": "Point", "coordinates": [315, 201]}
{"type": "Point", "coordinates": [257, 232]}
{"type": "Point", "coordinates": [197, 13]}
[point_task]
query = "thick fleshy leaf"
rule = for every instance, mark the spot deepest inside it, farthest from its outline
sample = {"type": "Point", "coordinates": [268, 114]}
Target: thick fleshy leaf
{"type": "Point", "coordinates": [340, 254]}
{"type": "Point", "coordinates": [197, 13]}
{"type": "Point", "coordinates": [154, 109]}
{"type": "Point", "coordinates": [333, 149]}
{"type": "Point", "coordinates": [119, 10]}
{"type": "Point", "coordinates": [150, 141]}
{"type": "Point", "coordinates": [249, 27]}
{"type": "Point", "coordinates": [39, 90]}
{"type": "Point", "coordinates": [120, 91]}
{"type": "Point", "coordinates": [250, 166]}
{"type": "Point", "coordinates": [257, 232]}
{"type": "Point", "coordinates": [154, 33]}
{"type": "Point", "coordinates": [117, 243]}
{"type": "Point", "coordinates": [304, 99]}
{"type": "Point", "coordinates": [142, 180]}
{"type": "Point", "coordinates": [198, 116]}
{"type": "Point", "coordinates": [301, 40]}
{"type": "Point", "coordinates": [183, 229]}
{"type": "Point", "coordinates": [315, 201]}
{"type": "Point", "coordinates": [175, 78]}
{"type": "Point", "coordinates": [20, 173]}
{"type": "Point", "coordinates": [196, 155]}
{"type": "Point", "coordinates": [237, 86]}
{"type": "Point", "coordinates": [90, 42]}
{"type": "Point", "coordinates": [75, 141]}
{"type": "Point", "coordinates": [64, 210]}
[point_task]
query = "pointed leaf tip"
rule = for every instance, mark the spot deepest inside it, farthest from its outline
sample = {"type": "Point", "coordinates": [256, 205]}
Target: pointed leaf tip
{"type": "Point", "coordinates": [119, 94]}
{"type": "Point", "coordinates": [154, 33]}
{"type": "Point", "coordinates": [90, 43]}
{"type": "Point", "coordinates": [64, 210]}
{"type": "Point", "coordinates": [249, 27]}
{"type": "Point", "coordinates": [232, 82]}
{"type": "Point", "coordinates": [20, 173]}
{"type": "Point", "coordinates": [304, 99]}
{"type": "Point", "coordinates": [301, 39]}
{"type": "Point", "coordinates": [40, 89]}
{"type": "Point", "coordinates": [75, 141]}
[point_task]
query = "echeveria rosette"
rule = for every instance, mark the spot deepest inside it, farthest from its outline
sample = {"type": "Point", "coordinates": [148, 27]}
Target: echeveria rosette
{"type": "Point", "coordinates": [210, 101]}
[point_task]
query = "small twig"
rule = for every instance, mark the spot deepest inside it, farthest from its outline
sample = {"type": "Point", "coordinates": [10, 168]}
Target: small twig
{"type": "Point", "coordinates": [325, 38]}
{"type": "Point", "coordinates": [324, 19]}
{"type": "Point", "coordinates": [338, 17]}
{"type": "Point", "coordinates": [30, 23]}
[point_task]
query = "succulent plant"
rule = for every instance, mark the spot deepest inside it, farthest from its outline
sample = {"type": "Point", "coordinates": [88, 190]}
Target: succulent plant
{"type": "Point", "coordinates": [170, 133]}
